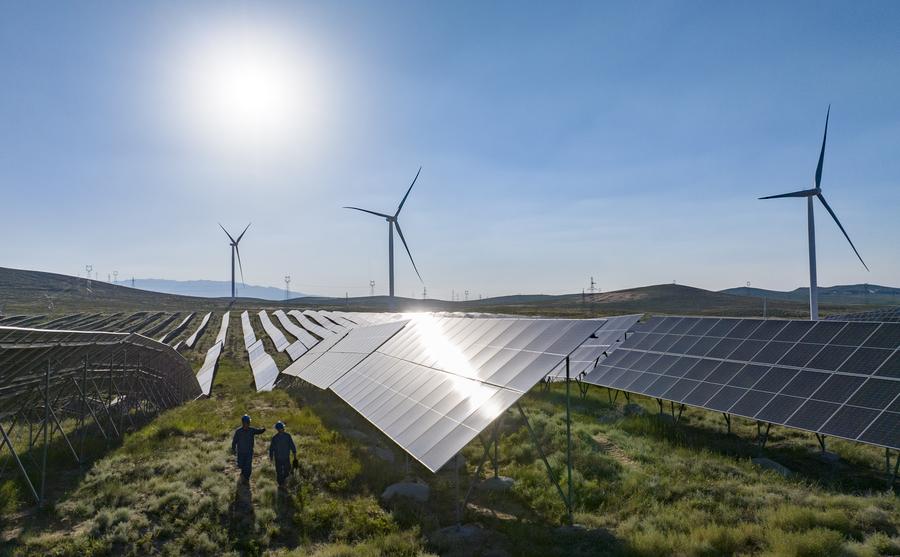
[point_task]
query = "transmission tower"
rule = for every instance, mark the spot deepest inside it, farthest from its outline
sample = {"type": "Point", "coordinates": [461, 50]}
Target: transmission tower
{"type": "Point", "coordinates": [287, 286]}
{"type": "Point", "coordinates": [593, 287]}
{"type": "Point", "coordinates": [424, 292]}
{"type": "Point", "coordinates": [88, 269]}
{"type": "Point", "coordinates": [115, 276]}
{"type": "Point", "coordinates": [371, 288]}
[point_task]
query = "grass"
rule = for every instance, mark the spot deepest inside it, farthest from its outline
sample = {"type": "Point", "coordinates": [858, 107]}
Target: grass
{"type": "Point", "coordinates": [644, 486]}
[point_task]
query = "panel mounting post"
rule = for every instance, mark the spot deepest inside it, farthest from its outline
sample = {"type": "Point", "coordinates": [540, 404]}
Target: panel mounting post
{"type": "Point", "coordinates": [569, 441]}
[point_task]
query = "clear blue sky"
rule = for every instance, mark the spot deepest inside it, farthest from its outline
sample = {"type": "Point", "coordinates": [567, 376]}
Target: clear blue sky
{"type": "Point", "coordinates": [628, 141]}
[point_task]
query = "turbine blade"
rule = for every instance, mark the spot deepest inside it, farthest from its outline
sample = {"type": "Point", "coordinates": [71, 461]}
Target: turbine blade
{"type": "Point", "coordinates": [402, 239]}
{"type": "Point", "coordinates": [822, 152]}
{"type": "Point", "coordinates": [370, 212]}
{"type": "Point", "coordinates": [242, 234]}
{"type": "Point", "coordinates": [407, 193]}
{"type": "Point", "coordinates": [801, 193]}
{"type": "Point", "coordinates": [828, 208]}
{"type": "Point", "coordinates": [226, 232]}
{"type": "Point", "coordinates": [238, 251]}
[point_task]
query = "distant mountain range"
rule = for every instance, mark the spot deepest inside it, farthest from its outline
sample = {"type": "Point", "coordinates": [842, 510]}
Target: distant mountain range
{"type": "Point", "coordinates": [864, 294]}
{"type": "Point", "coordinates": [210, 289]}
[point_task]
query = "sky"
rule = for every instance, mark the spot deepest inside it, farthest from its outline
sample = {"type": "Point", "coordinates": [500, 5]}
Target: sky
{"type": "Point", "coordinates": [623, 141]}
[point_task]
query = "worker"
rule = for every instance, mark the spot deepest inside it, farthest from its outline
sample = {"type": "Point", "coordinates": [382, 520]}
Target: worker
{"type": "Point", "coordinates": [280, 450]}
{"type": "Point", "coordinates": [242, 446]}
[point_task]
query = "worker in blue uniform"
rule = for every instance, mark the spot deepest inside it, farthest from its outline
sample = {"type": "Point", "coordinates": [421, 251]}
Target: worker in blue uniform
{"type": "Point", "coordinates": [280, 450]}
{"type": "Point", "coordinates": [242, 446]}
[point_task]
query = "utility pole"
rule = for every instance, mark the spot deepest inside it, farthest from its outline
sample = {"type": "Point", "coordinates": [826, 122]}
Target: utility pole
{"type": "Point", "coordinates": [132, 281]}
{"type": "Point", "coordinates": [593, 287]}
{"type": "Point", "coordinates": [287, 287]}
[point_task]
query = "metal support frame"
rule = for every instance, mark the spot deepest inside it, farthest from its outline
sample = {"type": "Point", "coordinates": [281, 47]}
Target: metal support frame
{"type": "Point", "coordinates": [494, 440]}
{"type": "Point", "coordinates": [74, 387]}
{"type": "Point", "coordinates": [727, 422]}
{"type": "Point", "coordinates": [821, 439]}
{"type": "Point", "coordinates": [761, 437]}
{"type": "Point", "coordinates": [891, 476]}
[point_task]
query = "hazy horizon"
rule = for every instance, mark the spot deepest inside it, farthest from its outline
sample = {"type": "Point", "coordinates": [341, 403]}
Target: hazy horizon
{"type": "Point", "coordinates": [624, 142]}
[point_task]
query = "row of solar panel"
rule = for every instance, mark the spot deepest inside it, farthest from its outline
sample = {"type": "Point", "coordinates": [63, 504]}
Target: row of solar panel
{"type": "Point", "coordinates": [859, 401]}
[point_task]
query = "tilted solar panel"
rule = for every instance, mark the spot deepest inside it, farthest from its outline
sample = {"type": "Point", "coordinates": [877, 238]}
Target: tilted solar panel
{"type": "Point", "coordinates": [311, 325]}
{"type": "Point", "coordinates": [200, 328]}
{"type": "Point", "coordinates": [440, 381]}
{"type": "Point", "coordinates": [223, 328]}
{"type": "Point", "coordinates": [355, 346]}
{"type": "Point", "coordinates": [247, 328]}
{"type": "Point", "coordinates": [274, 333]}
{"type": "Point", "coordinates": [829, 377]}
{"type": "Point", "coordinates": [301, 334]}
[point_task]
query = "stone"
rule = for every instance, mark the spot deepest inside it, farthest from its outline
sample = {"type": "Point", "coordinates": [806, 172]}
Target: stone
{"type": "Point", "coordinates": [499, 483]}
{"type": "Point", "coordinates": [415, 490]}
{"type": "Point", "coordinates": [769, 464]}
{"type": "Point", "coordinates": [633, 409]}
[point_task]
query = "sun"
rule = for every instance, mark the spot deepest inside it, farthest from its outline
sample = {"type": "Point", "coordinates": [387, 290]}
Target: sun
{"type": "Point", "coordinates": [243, 88]}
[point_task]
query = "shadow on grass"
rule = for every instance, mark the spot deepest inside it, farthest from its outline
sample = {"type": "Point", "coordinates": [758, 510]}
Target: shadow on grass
{"type": "Point", "coordinates": [839, 477]}
{"type": "Point", "coordinates": [242, 518]}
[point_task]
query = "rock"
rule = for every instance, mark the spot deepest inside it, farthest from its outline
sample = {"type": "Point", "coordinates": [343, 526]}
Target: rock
{"type": "Point", "coordinates": [610, 417]}
{"type": "Point", "coordinates": [769, 464]}
{"type": "Point", "coordinates": [381, 453]}
{"type": "Point", "coordinates": [500, 483]}
{"type": "Point", "coordinates": [633, 410]}
{"type": "Point", "coordinates": [829, 457]}
{"type": "Point", "coordinates": [415, 490]}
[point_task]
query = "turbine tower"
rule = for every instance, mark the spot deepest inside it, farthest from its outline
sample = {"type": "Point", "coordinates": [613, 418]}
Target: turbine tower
{"type": "Point", "coordinates": [809, 194]}
{"type": "Point", "coordinates": [235, 250]}
{"type": "Point", "coordinates": [393, 222]}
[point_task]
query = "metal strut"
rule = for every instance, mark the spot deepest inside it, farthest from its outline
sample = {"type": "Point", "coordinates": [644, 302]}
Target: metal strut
{"type": "Point", "coordinates": [537, 445]}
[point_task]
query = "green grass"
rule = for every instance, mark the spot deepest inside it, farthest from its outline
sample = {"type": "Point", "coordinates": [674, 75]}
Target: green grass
{"type": "Point", "coordinates": [644, 486]}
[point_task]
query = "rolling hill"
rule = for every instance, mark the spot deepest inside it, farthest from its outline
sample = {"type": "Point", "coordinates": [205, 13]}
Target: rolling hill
{"type": "Point", "coordinates": [850, 294]}
{"type": "Point", "coordinates": [209, 288]}
{"type": "Point", "coordinates": [25, 291]}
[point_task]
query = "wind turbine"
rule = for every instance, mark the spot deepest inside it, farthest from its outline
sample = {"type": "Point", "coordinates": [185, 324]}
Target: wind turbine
{"type": "Point", "coordinates": [809, 195]}
{"type": "Point", "coordinates": [235, 250]}
{"type": "Point", "coordinates": [392, 222]}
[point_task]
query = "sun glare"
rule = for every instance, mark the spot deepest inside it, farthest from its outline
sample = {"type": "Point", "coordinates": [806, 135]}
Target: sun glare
{"type": "Point", "coordinates": [244, 88]}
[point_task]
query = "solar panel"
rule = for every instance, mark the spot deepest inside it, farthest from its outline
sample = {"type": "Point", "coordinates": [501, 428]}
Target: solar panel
{"type": "Point", "coordinates": [803, 374]}
{"type": "Point", "coordinates": [223, 329]}
{"type": "Point", "coordinates": [324, 321]}
{"type": "Point", "coordinates": [166, 338]}
{"type": "Point", "coordinates": [311, 325]}
{"type": "Point", "coordinates": [264, 369]}
{"type": "Point", "coordinates": [440, 381]}
{"type": "Point", "coordinates": [207, 371]}
{"type": "Point", "coordinates": [887, 315]}
{"type": "Point", "coordinates": [199, 332]}
{"type": "Point", "coordinates": [247, 328]}
{"type": "Point", "coordinates": [311, 355]}
{"type": "Point", "coordinates": [301, 334]}
{"type": "Point", "coordinates": [274, 333]}
{"type": "Point", "coordinates": [356, 345]}
{"type": "Point", "coordinates": [611, 333]}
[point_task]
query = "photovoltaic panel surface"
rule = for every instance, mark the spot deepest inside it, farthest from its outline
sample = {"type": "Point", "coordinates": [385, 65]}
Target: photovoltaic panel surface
{"type": "Point", "coordinates": [247, 328]}
{"type": "Point", "coordinates": [199, 332]}
{"type": "Point", "coordinates": [440, 381]}
{"type": "Point", "coordinates": [888, 315]}
{"type": "Point", "coordinates": [830, 377]}
{"type": "Point", "coordinates": [301, 334]}
{"type": "Point", "coordinates": [311, 325]}
{"type": "Point", "coordinates": [355, 346]}
{"type": "Point", "coordinates": [312, 355]}
{"type": "Point", "coordinates": [274, 332]}
{"type": "Point", "coordinates": [604, 341]}
{"type": "Point", "coordinates": [223, 328]}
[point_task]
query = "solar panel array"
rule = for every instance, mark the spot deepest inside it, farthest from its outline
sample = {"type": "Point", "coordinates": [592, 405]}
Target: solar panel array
{"type": "Point", "coordinates": [431, 383]}
{"type": "Point", "coordinates": [586, 356]}
{"type": "Point", "coordinates": [885, 315]}
{"type": "Point", "coordinates": [311, 325]}
{"type": "Point", "coordinates": [830, 377]}
{"type": "Point", "coordinates": [278, 339]}
{"type": "Point", "coordinates": [199, 332]}
{"type": "Point", "coordinates": [263, 366]}
{"type": "Point", "coordinates": [340, 358]}
{"type": "Point", "coordinates": [207, 371]}
{"type": "Point", "coordinates": [177, 330]}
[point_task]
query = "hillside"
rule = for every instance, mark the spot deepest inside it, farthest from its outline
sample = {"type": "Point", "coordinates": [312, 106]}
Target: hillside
{"type": "Point", "coordinates": [643, 486]}
{"type": "Point", "coordinates": [209, 288]}
{"type": "Point", "coordinates": [850, 294]}
{"type": "Point", "coordinates": [24, 291]}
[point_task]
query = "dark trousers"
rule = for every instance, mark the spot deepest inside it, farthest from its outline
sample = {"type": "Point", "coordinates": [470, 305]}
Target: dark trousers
{"type": "Point", "coordinates": [245, 463]}
{"type": "Point", "coordinates": [282, 469]}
